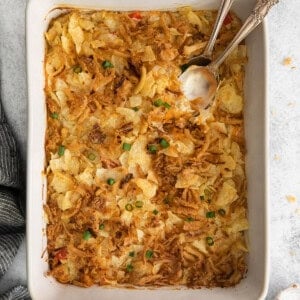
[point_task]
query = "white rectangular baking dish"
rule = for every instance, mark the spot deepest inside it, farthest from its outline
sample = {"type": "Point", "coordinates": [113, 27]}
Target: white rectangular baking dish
{"type": "Point", "coordinates": [254, 286]}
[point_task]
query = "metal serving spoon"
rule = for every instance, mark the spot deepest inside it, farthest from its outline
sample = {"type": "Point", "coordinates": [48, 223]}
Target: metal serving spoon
{"type": "Point", "coordinates": [201, 82]}
{"type": "Point", "coordinates": [205, 58]}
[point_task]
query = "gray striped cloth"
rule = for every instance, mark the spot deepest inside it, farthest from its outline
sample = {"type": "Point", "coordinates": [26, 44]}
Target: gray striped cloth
{"type": "Point", "coordinates": [12, 225]}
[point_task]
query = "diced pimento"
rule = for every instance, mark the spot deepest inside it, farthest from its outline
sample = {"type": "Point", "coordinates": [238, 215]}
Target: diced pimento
{"type": "Point", "coordinates": [228, 19]}
{"type": "Point", "coordinates": [62, 254]}
{"type": "Point", "coordinates": [135, 15]}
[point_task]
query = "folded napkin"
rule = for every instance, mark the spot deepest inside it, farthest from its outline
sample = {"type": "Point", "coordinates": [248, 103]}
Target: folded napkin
{"type": "Point", "coordinates": [12, 225]}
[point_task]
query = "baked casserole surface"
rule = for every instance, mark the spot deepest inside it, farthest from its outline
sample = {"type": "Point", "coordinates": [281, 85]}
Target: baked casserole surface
{"type": "Point", "coordinates": [144, 187]}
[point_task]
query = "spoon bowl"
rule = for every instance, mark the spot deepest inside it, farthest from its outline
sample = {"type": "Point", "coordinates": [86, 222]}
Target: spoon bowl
{"type": "Point", "coordinates": [199, 83]}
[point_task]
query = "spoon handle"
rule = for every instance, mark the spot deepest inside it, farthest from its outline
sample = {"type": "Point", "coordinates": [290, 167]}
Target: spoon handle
{"type": "Point", "coordinates": [222, 13]}
{"type": "Point", "coordinates": [205, 58]}
{"type": "Point", "coordinates": [260, 10]}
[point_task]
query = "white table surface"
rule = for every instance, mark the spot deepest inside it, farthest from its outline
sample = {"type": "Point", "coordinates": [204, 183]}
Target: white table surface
{"type": "Point", "coordinates": [284, 113]}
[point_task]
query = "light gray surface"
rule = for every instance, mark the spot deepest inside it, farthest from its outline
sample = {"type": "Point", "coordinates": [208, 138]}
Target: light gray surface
{"type": "Point", "coordinates": [284, 159]}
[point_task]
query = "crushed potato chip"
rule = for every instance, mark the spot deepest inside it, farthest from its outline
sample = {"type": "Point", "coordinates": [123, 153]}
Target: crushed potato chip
{"type": "Point", "coordinates": [144, 188]}
{"type": "Point", "coordinates": [230, 101]}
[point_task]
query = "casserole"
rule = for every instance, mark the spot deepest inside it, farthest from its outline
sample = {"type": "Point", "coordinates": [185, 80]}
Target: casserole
{"type": "Point", "coordinates": [254, 286]}
{"type": "Point", "coordinates": [143, 187]}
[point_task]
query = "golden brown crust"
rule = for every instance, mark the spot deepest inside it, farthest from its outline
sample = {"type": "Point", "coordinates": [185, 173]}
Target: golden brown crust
{"type": "Point", "coordinates": [143, 188]}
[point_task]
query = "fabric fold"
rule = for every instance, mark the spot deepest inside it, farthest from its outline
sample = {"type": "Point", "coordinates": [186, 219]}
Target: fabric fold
{"type": "Point", "coordinates": [17, 293]}
{"type": "Point", "coordinates": [9, 161]}
{"type": "Point", "coordinates": [12, 223]}
{"type": "Point", "coordinates": [9, 245]}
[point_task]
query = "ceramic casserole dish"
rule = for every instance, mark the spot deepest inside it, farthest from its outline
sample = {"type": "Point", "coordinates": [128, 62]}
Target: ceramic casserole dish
{"type": "Point", "coordinates": [41, 286]}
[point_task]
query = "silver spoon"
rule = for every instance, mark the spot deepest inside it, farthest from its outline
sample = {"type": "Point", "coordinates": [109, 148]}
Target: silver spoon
{"type": "Point", "coordinates": [201, 82]}
{"type": "Point", "coordinates": [205, 58]}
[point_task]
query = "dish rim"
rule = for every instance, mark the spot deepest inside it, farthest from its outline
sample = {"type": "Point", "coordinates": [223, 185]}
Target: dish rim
{"type": "Point", "coordinates": [30, 158]}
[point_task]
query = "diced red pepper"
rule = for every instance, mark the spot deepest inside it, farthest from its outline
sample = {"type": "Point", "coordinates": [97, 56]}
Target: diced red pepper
{"type": "Point", "coordinates": [228, 19]}
{"type": "Point", "coordinates": [62, 254]}
{"type": "Point", "coordinates": [135, 15]}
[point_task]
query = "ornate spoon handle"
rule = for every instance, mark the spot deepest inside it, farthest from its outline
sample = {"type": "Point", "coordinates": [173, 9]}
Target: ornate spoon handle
{"type": "Point", "coordinates": [260, 10]}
